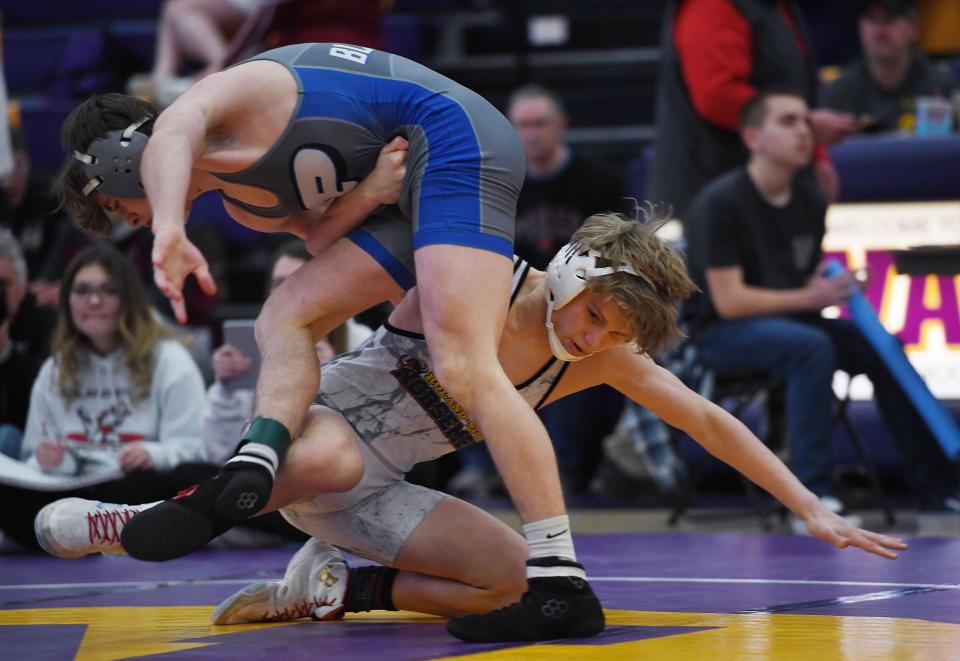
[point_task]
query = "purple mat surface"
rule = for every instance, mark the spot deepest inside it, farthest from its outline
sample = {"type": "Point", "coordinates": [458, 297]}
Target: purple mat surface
{"type": "Point", "coordinates": [659, 574]}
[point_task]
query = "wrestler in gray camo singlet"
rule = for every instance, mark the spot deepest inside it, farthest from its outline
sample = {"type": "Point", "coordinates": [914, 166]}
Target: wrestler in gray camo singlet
{"type": "Point", "coordinates": [387, 391]}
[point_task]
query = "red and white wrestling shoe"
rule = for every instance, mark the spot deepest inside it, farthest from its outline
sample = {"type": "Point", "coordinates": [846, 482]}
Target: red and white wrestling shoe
{"type": "Point", "coordinates": [314, 586]}
{"type": "Point", "coordinates": [74, 527]}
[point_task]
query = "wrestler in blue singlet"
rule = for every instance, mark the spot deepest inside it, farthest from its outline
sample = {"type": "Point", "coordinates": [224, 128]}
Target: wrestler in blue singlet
{"type": "Point", "coordinates": [465, 166]}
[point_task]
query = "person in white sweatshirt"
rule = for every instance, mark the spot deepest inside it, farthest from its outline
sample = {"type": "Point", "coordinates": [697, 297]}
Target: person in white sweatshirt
{"type": "Point", "coordinates": [118, 395]}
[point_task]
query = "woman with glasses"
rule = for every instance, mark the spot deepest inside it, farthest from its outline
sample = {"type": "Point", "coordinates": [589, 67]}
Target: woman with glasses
{"type": "Point", "coordinates": [117, 397]}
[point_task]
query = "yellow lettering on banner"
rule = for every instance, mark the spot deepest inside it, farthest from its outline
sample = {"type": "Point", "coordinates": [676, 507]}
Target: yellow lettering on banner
{"type": "Point", "coordinates": [885, 313]}
{"type": "Point", "coordinates": [931, 292]}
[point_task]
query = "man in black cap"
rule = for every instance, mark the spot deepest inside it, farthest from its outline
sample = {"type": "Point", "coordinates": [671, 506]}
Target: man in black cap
{"type": "Point", "coordinates": [882, 87]}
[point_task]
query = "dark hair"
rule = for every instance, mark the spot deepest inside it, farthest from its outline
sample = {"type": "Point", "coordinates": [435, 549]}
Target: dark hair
{"type": "Point", "coordinates": [93, 119]}
{"type": "Point", "coordinates": [905, 8]}
{"type": "Point", "coordinates": [295, 249]}
{"type": "Point", "coordinates": [754, 112]}
{"type": "Point", "coordinates": [137, 326]}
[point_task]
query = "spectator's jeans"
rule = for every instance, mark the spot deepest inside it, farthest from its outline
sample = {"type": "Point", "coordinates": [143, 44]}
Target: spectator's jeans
{"type": "Point", "coordinates": [10, 440]}
{"type": "Point", "coordinates": [805, 352]}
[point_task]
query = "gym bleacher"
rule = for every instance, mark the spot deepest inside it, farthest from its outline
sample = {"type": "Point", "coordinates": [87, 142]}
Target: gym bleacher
{"type": "Point", "coordinates": [605, 69]}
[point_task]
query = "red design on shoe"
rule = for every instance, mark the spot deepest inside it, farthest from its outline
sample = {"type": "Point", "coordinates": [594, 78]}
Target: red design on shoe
{"type": "Point", "coordinates": [186, 492]}
{"type": "Point", "coordinates": [106, 525]}
{"type": "Point", "coordinates": [302, 609]}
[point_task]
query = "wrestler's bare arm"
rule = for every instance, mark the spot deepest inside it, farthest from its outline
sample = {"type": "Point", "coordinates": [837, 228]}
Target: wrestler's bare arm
{"type": "Point", "coordinates": [728, 439]}
{"type": "Point", "coordinates": [180, 135]}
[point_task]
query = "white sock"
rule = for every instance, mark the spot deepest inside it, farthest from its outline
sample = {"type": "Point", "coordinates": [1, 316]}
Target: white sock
{"type": "Point", "coordinates": [551, 538]}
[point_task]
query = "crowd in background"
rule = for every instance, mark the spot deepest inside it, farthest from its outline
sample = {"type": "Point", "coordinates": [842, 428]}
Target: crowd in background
{"type": "Point", "coordinates": [97, 382]}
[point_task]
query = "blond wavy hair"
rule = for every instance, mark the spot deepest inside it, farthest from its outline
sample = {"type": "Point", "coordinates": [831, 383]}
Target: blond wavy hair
{"type": "Point", "coordinates": [138, 328]}
{"type": "Point", "coordinates": [649, 308]}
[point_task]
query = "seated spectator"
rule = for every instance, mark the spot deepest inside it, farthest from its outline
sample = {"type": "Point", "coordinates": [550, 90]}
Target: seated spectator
{"type": "Point", "coordinates": [755, 251]}
{"type": "Point", "coordinates": [25, 330]}
{"type": "Point", "coordinates": [715, 55]}
{"type": "Point", "coordinates": [230, 408]}
{"type": "Point", "coordinates": [562, 187]}
{"type": "Point", "coordinates": [881, 88]}
{"type": "Point", "coordinates": [117, 396]}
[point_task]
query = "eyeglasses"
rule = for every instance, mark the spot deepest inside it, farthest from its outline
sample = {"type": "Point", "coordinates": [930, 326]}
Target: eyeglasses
{"type": "Point", "coordinates": [86, 291]}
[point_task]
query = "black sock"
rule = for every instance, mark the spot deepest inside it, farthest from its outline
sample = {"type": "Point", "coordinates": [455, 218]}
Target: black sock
{"type": "Point", "coordinates": [370, 588]}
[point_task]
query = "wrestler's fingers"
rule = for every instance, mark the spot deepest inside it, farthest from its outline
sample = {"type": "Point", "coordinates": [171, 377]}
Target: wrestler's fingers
{"type": "Point", "coordinates": [399, 143]}
{"type": "Point", "coordinates": [886, 540]}
{"type": "Point", "coordinates": [875, 543]}
{"type": "Point", "coordinates": [164, 282]}
{"type": "Point", "coordinates": [863, 542]}
{"type": "Point", "coordinates": [207, 283]}
{"type": "Point", "coordinates": [179, 309]}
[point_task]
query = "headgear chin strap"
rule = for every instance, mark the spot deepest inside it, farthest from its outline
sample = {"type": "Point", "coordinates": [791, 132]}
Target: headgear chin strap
{"type": "Point", "coordinates": [113, 162]}
{"type": "Point", "coordinates": [567, 276]}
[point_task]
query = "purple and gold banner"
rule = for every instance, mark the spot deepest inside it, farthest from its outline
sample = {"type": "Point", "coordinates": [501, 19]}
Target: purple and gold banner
{"type": "Point", "coordinates": [922, 310]}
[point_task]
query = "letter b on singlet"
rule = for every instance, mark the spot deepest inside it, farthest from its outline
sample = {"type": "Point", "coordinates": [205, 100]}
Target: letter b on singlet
{"type": "Point", "coordinates": [356, 54]}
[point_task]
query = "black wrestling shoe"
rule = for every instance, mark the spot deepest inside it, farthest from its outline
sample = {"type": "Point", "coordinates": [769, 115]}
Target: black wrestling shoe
{"type": "Point", "coordinates": [244, 490]}
{"type": "Point", "coordinates": [176, 527]}
{"type": "Point", "coordinates": [552, 607]}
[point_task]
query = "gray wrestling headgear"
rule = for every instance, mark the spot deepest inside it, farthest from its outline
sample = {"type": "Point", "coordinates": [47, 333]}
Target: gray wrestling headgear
{"type": "Point", "coordinates": [113, 162]}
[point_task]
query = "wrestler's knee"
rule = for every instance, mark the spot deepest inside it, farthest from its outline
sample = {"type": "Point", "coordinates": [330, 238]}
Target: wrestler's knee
{"type": "Point", "coordinates": [505, 577]}
{"type": "Point", "coordinates": [282, 308]}
{"type": "Point", "coordinates": [465, 377]}
{"type": "Point", "coordinates": [326, 457]}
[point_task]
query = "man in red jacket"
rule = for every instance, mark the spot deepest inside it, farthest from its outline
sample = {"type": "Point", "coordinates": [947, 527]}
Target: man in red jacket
{"type": "Point", "coordinates": [716, 54]}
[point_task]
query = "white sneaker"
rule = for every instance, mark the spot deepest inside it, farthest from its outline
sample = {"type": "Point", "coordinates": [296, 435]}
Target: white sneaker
{"type": "Point", "coordinates": [833, 504]}
{"type": "Point", "coordinates": [314, 585]}
{"type": "Point", "coordinates": [74, 527]}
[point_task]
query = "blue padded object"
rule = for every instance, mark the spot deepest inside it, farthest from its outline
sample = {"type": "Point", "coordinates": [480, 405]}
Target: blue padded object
{"type": "Point", "coordinates": [941, 425]}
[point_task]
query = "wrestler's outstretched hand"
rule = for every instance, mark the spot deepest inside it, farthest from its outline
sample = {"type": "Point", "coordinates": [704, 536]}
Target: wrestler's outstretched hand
{"type": "Point", "coordinates": [830, 527]}
{"type": "Point", "coordinates": [174, 258]}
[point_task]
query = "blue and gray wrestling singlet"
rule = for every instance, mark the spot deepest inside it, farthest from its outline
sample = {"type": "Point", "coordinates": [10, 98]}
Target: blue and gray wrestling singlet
{"type": "Point", "coordinates": [465, 166]}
